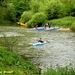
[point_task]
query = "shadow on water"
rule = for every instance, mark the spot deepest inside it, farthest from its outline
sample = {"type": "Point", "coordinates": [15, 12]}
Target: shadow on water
{"type": "Point", "coordinates": [60, 50]}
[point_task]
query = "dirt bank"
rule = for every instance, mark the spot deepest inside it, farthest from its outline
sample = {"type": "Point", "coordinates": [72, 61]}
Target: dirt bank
{"type": "Point", "coordinates": [64, 29]}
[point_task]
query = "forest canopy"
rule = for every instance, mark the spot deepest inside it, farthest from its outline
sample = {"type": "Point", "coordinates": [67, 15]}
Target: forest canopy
{"type": "Point", "coordinates": [14, 10]}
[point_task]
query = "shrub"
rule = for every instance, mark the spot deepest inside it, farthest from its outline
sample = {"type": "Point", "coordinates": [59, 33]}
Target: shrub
{"type": "Point", "coordinates": [26, 16]}
{"type": "Point", "coordinates": [73, 26]}
{"type": "Point", "coordinates": [37, 19]}
{"type": "Point", "coordinates": [64, 22]}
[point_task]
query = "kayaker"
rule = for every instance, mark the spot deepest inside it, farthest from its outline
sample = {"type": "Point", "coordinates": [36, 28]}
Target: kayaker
{"type": "Point", "coordinates": [40, 40]}
{"type": "Point", "coordinates": [49, 25]}
{"type": "Point", "coordinates": [36, 26]}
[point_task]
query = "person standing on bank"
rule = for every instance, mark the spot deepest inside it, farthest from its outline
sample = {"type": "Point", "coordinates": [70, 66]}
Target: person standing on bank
{"type": "Point", "coordinates": [49, 25]}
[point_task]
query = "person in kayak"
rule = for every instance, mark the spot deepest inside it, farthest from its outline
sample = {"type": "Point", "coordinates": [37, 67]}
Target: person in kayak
{"type": "Point", "coordinates": [40, 40]}
{"type": "Point", "coordinates": [36, 26]}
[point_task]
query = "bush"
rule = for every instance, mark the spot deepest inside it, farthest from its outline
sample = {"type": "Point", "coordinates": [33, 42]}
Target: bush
{"type": "Point", "coordinates": [64, 22]}
{"type": "Point", "coordinates": [73, 26]}
{"type": "Point", "coordinates": [30, 23]}
{"type": "Point", "coordinates": [37, 19]}
{"type": "Point", "coordinates": [26, 16]}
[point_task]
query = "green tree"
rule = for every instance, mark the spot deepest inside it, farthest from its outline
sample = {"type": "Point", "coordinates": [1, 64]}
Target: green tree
{"type": "Point", "coordinates": [2, 12]}
{"type": "Point", "coordinates": [12, 15]}
{"type": "Point", "coordinates": [21, 6]}
{"type": "Point", "coordinates": [15, 7]}
{"type": "Point", "coordinates": [34, 5]}
{"type": "Point", "coordinates": [69, 6]}
{"type": "Point", "coordinates": [37, 19]}
{"type": "Point", "coordinates": [3, 8]}
{"type": "Point", "coordinates": [52, 9]}
{"type": "Point", "coordinates": [26, 16]}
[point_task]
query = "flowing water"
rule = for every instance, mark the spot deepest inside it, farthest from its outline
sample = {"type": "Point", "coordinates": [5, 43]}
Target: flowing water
{"type": "Point", "coordinates": [60, 50]}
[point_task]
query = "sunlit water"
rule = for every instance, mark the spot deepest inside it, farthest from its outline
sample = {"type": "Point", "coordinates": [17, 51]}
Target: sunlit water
{"type": "Point", "coordinates": [60, 50]}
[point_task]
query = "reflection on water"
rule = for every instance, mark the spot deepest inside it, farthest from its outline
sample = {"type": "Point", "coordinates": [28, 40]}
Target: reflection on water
{"type": "Point", "coordinates": [60, 50]}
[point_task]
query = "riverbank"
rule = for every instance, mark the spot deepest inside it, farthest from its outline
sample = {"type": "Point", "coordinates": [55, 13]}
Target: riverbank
{"type": "Point", "coordinates": [64, 29]}
{"type": "Point", "coordinates": [65, 24]}
{"type": "Point", "coordinates": [13, 64]}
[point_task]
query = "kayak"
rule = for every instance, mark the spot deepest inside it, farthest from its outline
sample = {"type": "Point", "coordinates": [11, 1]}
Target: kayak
{"type": "Point", "coordinates": [39, 43]}
{"type": "Point", "coordinates": [38, 28]}
{"type": "Point", "coordinates": [43, 28]}
{"type": "Point", "coordinates": [55, 28]}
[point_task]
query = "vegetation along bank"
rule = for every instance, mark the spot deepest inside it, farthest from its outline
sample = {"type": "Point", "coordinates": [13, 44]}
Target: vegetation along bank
{"type": "Point", "coordinates": [32, 13]}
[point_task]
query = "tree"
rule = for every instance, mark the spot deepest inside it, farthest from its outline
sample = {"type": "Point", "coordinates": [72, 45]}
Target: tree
{"type": "Point", "coordinates": [3, 8]}
{"type": "Point", "coordinates": [69, 6]}
{"type": "Point", "coordinates": [37, 19]}
{"type": "Point", "coordinates": [52, 9]}
{"type": "Point", "coordinates": [12, 15]}
{"type": "Point", "coordinates": [26, 16]}
{"type": "Point", "coordinates": [34, 5]}
{"type": "Point", "coordinates": [21, 6]}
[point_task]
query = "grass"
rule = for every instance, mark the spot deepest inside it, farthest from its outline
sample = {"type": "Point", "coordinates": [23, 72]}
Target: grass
{"type": "Point", "coordinates": [73, 26]}
{"type": "Point", "coordinates": [63, 22]}
{"type": "Point", "coordinates": [67, 70]}
{"type": "Point", "coordinates": [13, 64]}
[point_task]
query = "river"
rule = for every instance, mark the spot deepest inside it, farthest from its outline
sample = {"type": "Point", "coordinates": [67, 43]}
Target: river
{"type": "Point", "coordinates": [60, 50]}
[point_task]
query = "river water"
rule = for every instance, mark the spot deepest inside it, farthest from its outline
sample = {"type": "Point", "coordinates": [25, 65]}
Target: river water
{"type": "Point", "coordinates": [60, 50]}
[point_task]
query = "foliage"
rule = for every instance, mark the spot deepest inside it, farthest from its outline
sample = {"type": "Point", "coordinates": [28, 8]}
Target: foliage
{"type": "Point", "coordinates": [13, 62]}
{"type": "Point", "coordinates": [12, 15]}
{"type": "Point", "coordinates": [2, 12]}
{"type": "Point", "coordinates": [65, 22]}
{"type": "Point", "coordinates": [15, 7]}
{"type": "Point", "coordinates": [26, 16]}
{"type": "Point", "coordinates": [4, 2]}
{"type": "Point", "coordinates": [52, 9]}
{"type": "Point", "coordinates": [73, 26]}
{"type": "Point", "coordinates": [37, 19]}
{"type": "Point", "coordinates": [69, 6]}
{"type": "Point", "coordinates": [67, 70]}
{"type": "Point", "coordinates": [21, 6]}
{"type": "Point", "coordinates": [34, 5]}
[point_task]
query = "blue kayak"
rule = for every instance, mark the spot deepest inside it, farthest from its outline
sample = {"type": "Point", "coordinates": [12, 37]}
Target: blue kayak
{"type": "Point", "coordinates": [43, 28]}
{"type": "Point", "coordinates": [38, 28]}
{"type": "Point", "coordinates": [39, 43]}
